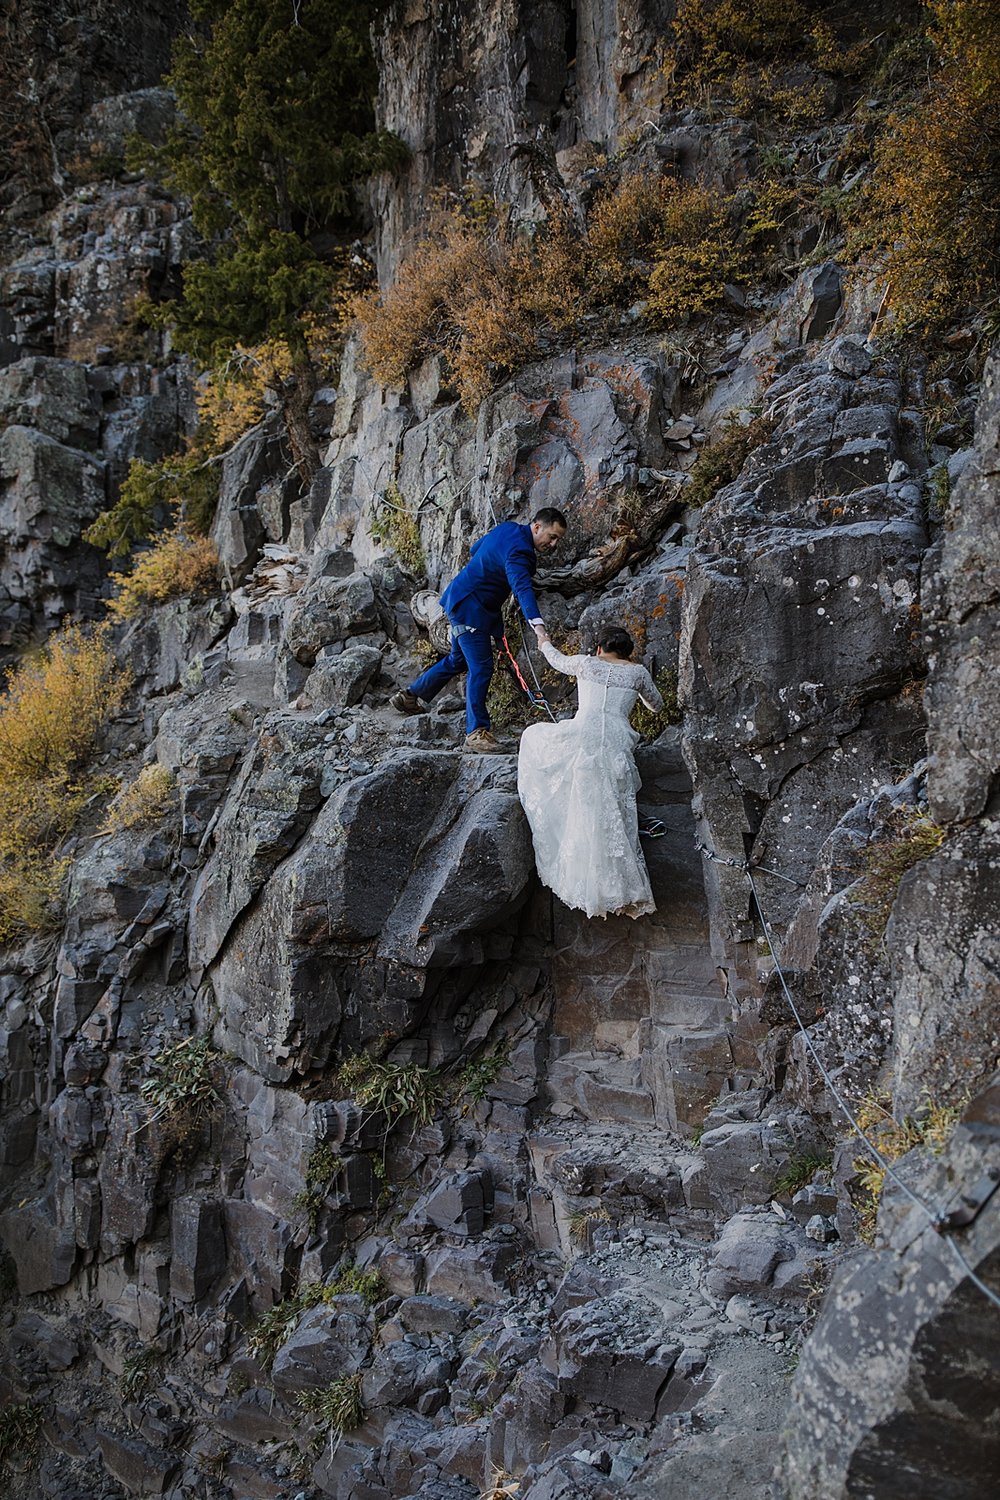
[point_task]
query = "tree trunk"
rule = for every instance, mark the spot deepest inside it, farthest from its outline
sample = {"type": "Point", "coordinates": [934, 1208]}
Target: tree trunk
{"type": "Point", "coordinates": [296, 397]}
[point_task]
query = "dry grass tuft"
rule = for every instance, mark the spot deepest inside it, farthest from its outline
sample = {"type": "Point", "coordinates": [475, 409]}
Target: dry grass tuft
{"type": "Point", "coordinates": [932, 1128]}
{"type": "Point", "coordinates": [143, 801]}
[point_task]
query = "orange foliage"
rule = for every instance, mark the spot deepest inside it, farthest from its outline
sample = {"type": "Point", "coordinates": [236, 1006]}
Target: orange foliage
{"type": "Point", "coordinates": [937, 182]}
{"type": "Point", "coordinates": [480, 298]}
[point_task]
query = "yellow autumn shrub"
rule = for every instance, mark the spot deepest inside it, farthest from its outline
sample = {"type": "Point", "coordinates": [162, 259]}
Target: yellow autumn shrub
{"type": "Point", "coordinates": [56, 705]}
{"type": "Point", "coordinates": [663, 239]}
{"type": "Point", "coordinates": [711, 41]}
{"type": "Point", "coordinates": [143, 801]}
{"type": "Point", "coordinates": [232, 398]}
{"type": "Point", "coordinates": [934, 198]}
{"type": "Point", "coordinates": [178, 564]}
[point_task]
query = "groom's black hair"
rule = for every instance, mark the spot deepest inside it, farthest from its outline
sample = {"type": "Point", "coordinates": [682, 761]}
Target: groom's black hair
{"type": "Point", "coordinates": [614, 638]}
{"type": "Point", "coordinates": [549, 516]}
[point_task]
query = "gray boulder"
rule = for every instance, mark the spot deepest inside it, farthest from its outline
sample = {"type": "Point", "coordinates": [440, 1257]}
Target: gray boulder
{"type": "Point", "coordinates": [760, 1255]}
{"type": "Point", "coordinates": [456, 865]}
{"type": "Point", "coordinates": [610, 1352]}
{"type": "Point", "coordinates": [327, 610]}
{"type": "Point", "coordinates": [326, 1345]}
{"type": "Point", "coordinates": [51, 396]}
{"type": "Point", "coordinates": [897, 1388]}
{"type": "Point", "coordinates": [340, 678]}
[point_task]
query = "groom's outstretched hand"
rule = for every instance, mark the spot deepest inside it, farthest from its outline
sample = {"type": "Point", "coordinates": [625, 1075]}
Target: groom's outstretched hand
{"type": "Point", "coordinates": [542, 635]}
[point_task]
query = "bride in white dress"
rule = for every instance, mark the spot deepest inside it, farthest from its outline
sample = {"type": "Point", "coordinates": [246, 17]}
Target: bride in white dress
{"type": "Point", "coordinates": [577, 781]}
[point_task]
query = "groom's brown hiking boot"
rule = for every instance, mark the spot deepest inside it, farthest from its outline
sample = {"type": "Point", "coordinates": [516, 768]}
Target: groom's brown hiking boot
{"type": "Point", "coordinates": [404, 702]}
{"type": "Point", "coordinates": [483, 741]}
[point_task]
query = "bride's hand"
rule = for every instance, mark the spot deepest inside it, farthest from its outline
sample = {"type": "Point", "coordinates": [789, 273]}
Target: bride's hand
{"type": "Point", "coordinates": [542, 635]}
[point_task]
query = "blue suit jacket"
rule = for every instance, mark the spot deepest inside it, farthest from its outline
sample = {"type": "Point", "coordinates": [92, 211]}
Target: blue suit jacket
{"type": "Point", "coordinates": [502, 562]}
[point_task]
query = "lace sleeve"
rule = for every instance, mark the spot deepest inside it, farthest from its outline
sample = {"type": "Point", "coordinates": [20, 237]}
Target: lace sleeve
{"type": "Point", "coordinates": [649, 692]}
{"type": "Point", "coordinates": [570, 665]}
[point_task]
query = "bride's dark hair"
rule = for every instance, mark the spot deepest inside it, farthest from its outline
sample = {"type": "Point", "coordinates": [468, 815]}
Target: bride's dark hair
{"type": "Point", "coordinates": [616, 640]}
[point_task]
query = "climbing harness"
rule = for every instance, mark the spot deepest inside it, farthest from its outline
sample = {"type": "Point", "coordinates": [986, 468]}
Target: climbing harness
{"type": "Point", "coordinates": [536, 699]}
{"type": "Point", "coordinates": [940, 1222]}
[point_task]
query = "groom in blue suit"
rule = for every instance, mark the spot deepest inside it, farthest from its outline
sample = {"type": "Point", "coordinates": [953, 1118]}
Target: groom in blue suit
{"type": "Point", "coordinates": [502, 562]}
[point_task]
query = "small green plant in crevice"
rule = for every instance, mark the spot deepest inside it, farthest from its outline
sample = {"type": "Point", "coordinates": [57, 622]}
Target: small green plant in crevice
{"type": "Point", "coordinates": [696, 1133]}
{"type": "Point", "coordinates": [394, 1090]}
{"type": "Point", "coordinates": [20, 1426]}
{"type": "Point", "coordinates": [322, 1167]}
{"type": "Point", "coordinates": [799, 1171]}
{"type": "Point", "coordinates": [938, 492]}
{"type": "Point", "coordinates": [908, 838]}
{"type": "Point", "coordinates": [475, 1079]}
{"type": "Point", "coordinates": [720, 463]}
{"type": "Point", "coordinates": [931, 1127]}
{"type": "Point", "coordinates": [399, 528]}
{"type": "Point", "coordinates": [183, 1083]}
{"type": "Point", "coordinates": [340, 1406]}
{"type": "Point", "coordinates": [371, 1285]}
{"type": "Point", "coordinates": [274, 1327]}
{"type": "Point", "coordinates": [651, 725]}
{"type": "Point", "coordinates": [138, 1370]}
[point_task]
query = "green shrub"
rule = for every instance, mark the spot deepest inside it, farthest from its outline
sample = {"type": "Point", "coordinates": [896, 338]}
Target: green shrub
{"type": "Point", "coordinates": [478, 1075]}
{"type": "Point", "coordinates": [798, 1173]}
{"type": "Point", "coordinates": [20, 1430]}
{"type": "Point", "coordinates": [138, 1371]}
{"type": "Point", "coordinates": [153, 496]}
{"type": "Point", "coordinates": [183, 1083]}
{"type": "Point", "coordinates": [323, 1165]}
{"type": "Point", "coordinates": [371, 1285]}
{"type": "Point", "coordinates": [393, 1090]}
{"type": "Point", "coordinates": [273, 1328]}
{"type": "Point", "coordinates": [399, 528]}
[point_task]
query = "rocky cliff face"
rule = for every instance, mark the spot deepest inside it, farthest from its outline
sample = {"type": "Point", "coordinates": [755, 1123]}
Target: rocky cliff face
{"type": "Point", "coordinates": [564, 1238]}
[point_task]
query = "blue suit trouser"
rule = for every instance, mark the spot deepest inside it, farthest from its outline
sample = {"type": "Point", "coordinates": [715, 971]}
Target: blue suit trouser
{"type": "Point", "coordinates": [471, 652]}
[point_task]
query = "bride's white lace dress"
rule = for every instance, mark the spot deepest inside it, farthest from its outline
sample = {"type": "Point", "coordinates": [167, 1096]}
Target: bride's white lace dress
{"type": "Point", "coordinates": [577, 781]}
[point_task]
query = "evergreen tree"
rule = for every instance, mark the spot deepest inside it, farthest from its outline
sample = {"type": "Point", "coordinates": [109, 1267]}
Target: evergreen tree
{"type": "Point", "coordinates": [276, 99]}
